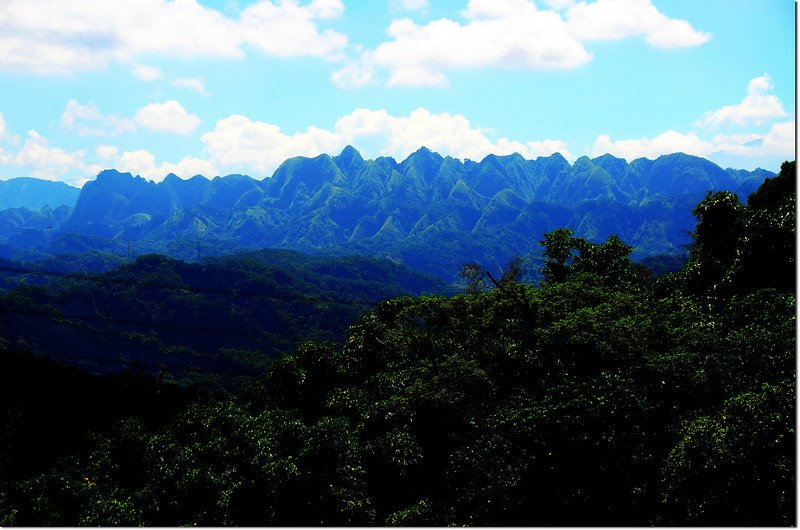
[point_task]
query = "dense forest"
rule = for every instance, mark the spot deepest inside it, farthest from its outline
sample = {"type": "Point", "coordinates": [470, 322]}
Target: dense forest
{"type": "Point", "coordinates": [603, 395]}
{"type": "Point", "coordinates": [216, 322]}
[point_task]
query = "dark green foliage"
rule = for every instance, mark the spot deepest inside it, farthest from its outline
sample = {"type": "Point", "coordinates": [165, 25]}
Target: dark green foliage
{"type": "Point", "coordinates": [604, 396]}
{"type": "Point", "coordinates": [736, 466]}
{"type": "Point", "coordinates": [226, 317]}
{"type": "Point", "coordinates": [661, 264]}
{"type": "Point", "coordinates": [738, 248]}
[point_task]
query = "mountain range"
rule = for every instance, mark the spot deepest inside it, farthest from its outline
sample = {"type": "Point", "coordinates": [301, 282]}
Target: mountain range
{"type": "Point", "coordinates": [430, 212]}
{"type": "Point", "coordinates": [31, 193]}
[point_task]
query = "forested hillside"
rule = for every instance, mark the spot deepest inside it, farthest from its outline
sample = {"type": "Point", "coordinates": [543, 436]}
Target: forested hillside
{"type": "Point", "coordinates": [602, 396]}
{"type": "Point", "coordinates": [219, 321]}
{"type": "Point", "coordinates": [485, 211]}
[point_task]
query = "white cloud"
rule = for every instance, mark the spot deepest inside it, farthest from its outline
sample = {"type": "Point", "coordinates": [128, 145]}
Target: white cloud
{"type": "Point", "coordinates": [191, 83]}
{"type": "Point", "coordinates": [757, 107]}
{"type": "Point", "coordinates": [445, 133]}
{"type": "Point", "coordinates": [144, 72]}
{"type": "Point", "coordinates": [505, 33]}
{"type": "Point", "coordinates": [169, 116]}
{"type": "Point", "coordinates": [779, 141]}
{"type": "Point", "coordinates": [106, 152]}
{"type": "Point", "coordinates": [87, 120]}
{"type": "Point", "coordinates": [65, 36]}
{"type": "Point", "coordinates": [325, 9]}
{"type": "Point", "coordinates": [412, 5]}
{"type": "Point", "coordinates": [288, 29]}
{"type": "Point", "coordinates": [559, 4]}
{"type": "Point", "coordinates": [143, 163]}
{"type": "Point", "coordinates": [239, 144]}
{"type": "Point", "coordinates": [513, 34]}
{"type": "Point", "coordinates": [38, 159]}
{"type": "Point", "coordinates": [665, 143]}
{"type": "Point", "coordinates": [353, 75]}
{"type": "Point", "coordinates": [619, 19]}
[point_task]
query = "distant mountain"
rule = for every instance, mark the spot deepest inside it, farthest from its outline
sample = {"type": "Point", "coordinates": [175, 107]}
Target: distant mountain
{"type": "Point", "coordinates": [31, 193]}
{"type": "Point", "coordinates": [431, 212]}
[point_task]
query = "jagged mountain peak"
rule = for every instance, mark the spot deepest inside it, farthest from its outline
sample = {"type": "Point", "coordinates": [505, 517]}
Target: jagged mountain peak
{"type": "Point", "coordinates": [350, 153]}
{"type": "Point", "coordinates": [423, 160]}
{"type": "Point", "coordinates": [112, 177]}
{"type": "Point", "coordinates": [349, 161]}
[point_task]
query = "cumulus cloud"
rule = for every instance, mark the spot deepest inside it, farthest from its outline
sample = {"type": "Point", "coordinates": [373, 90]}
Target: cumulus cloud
{"type": "Point", "coordinates": [87, 120]}
{"type": "Point", "coordinates": [107, 152]}
{"type": "Point", "coordinates": [665, 143]}
{"type": "Point", "coordinates": [239, 144]}
{"type": "Point", "coordinates": [145, 72]}
{"type": "Point", "coordinates": [287, 29]}
{"type": "Point", "coordinates": [445, 133]}
{"type": "Point", "coordinates": [169, 116]}
{"type": "Point", "coordinates": [505, 33]}
{"type": "Point", "coordinates": [38, 159]}
{"type": "Point", "coordinates": [757, 107]}
{"type": "Point", "coordinates": [192, 83]}
{"type": "Point", "coordinates": [778, 141]}
{"type": "Point", "coordinates": [143, 163]}
{"type": "Point", "coordinates": [619, 19]}
{"type": "Point", "coordinates": [353, 75]}
{"type": "Point", "coordinates": [64, 36]}
{"type": "Point", "coordinates": [513, 34]}
{"type": "Point", "coordinates": [781, 139]}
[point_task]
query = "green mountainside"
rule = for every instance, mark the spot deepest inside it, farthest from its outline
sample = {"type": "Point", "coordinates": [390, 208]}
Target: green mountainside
{"type": "Point", "coordinates": [492, 209]}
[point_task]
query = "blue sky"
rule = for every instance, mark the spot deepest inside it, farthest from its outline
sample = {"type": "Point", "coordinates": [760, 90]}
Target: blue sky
{"type": "Point", "coordinates": [237, 86]}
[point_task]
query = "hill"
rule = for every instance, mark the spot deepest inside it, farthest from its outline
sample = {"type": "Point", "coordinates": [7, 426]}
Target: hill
{"type": "Point", "coordinates": [219, 321]}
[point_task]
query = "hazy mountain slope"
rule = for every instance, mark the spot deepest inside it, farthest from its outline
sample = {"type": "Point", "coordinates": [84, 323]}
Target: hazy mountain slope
{"type": "Point", "coordinates": [31, 193]}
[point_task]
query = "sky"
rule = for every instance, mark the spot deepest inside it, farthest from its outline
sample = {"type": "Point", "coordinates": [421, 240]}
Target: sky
{"type": "Point", "coordinates": [215, 87]}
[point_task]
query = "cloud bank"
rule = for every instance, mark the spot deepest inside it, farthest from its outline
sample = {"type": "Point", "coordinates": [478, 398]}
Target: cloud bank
{"type": "Point", "coordinates": [67, 36]}
{"type": "Point", "coordinates": [240, 144]}
{"type": "Point", "coordinates": [513, 34]}
{"type": "Point", "coordinates": [88, 120]}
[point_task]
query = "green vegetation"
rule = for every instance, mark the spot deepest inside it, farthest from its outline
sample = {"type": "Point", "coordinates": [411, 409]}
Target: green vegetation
{"type": "Point", "coordinates": [603, 396]}
{"type": "Point", "coordinates": [216, 322]}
